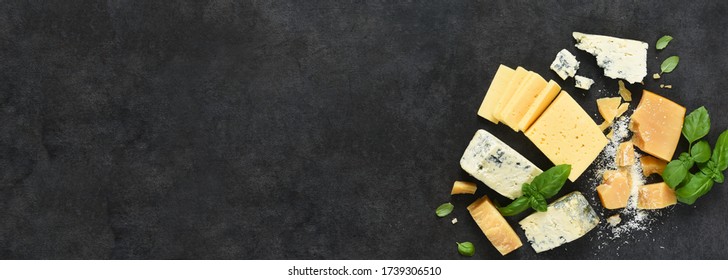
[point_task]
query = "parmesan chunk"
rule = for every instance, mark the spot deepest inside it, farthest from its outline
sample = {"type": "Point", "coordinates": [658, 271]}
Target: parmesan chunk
{"type": "Point", "coordinates": [461, 187]}
{"type": "Point", "coordinates": [494, 226]}
{"type": "Point", "coordinates": [655, 196]}
{"type": "Point", "coordinates": [657, 124]}
{"type": "Point", "coordinates": [615, 189]}
{"type": "Point", "coordinates": [652, 165]}
{"type": "Point", "coordinates": [625, 154]}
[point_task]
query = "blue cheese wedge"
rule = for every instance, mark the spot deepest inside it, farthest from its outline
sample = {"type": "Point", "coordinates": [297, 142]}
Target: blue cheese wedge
{"type": "Point", "coordinates": [620, 58]}
{"type": "Point", "coordinates": [565, 64]}
{"type": "Point", "coordinates": [583, 82]}
{"type": "Point", "coordinates": [566, 220]}
{"type": "Point", "coordinates": [497, 165]}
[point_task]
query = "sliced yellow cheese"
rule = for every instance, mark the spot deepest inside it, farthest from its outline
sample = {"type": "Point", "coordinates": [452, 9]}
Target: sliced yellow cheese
{"type": "Point", "coordinates": [655, 196]}
{"type": "Point", "coordinates": [519, 76]}
{"type": "Point", "coordinates": [494, 226]}
{"type": "Point", "coordinates": [543, 99]}
{"type": "Point", "coordinates": [608, 107]}
{"type": "Point", "coordinates": [657, 124]}
{"type": "Point", "coordinates": [523, 98]}
{"type": "Point", "coordinates": [652, 165]}
{"type": "Point", "coordinates": [462, 187]}
{"type": "Point", "coordinates": [615, 189]}
{"type": "Point", "coordinates": [495, 91]}
{"type": "Point", "coordinates": [567, 135]}
{"type": "Point", "coordinates": [625, 154]}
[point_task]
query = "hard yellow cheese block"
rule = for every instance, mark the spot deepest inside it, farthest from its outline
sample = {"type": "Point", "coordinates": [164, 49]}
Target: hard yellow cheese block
{"type": "Point", "coordinates": [608, 107]}
{"type": "Point", "coordinates": [462, 187]}
{"type": "Point", "coordinates": [495, 92]}
{"type": "Point", "coordinates": [652, 165]}
{"type": "Point", "coordinates": [615, 189]}
{"type": "Point", "coordinates": [543, 99]}
{"type": "Point", "coordinates": [655, 196]}
{"type": "Point", "coordinates": [657, 124]}
{"type": "Point", "coordinates": [494, 226]}
{"type": "Point", "coordinates": [567, 135]}
{"type": "Point", "coordinates": [522, 99]}
{"type": "Point", "coordinates": [519, 76]}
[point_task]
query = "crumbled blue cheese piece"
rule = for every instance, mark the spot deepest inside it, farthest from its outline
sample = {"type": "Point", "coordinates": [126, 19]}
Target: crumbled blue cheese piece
{"type": "Point", "coordinates": [565, 64]}
{"type": "Point", "coordinates": [583, 82]}
{"type": "Point", "coordinates": [497, 165]}
{"type": "Point", "coordinates": [620, 58]}
{"type": "Point", "coordinates": [566, 220]}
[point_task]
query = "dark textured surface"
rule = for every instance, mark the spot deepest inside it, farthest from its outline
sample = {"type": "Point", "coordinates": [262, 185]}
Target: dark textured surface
{"type": "Point", "coordinates": [302, 129]}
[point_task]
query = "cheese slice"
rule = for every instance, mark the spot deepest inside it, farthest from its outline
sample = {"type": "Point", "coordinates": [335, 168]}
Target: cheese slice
{"type": "Point", "coordinates": [565, 220]}
{"type": "Point", "coordinates": [652, 165]}
{"type": "Point", "coordinates": [519, 76]}
{"type": "Point", "coordinates": [656, 196]}
{"type": "Point", "coordinates": [495, 92]}
{"type": "Point", "coordinates": [567, 135]}
{"type": "Point", "coordinates": [523, 97]}
{"type": "Point", "coordinates": [657, 124]}
{"type": "Point", "coordinates": [497, 165]}
{"type": "Point", "coordinates": [461, 187]}
{"type": "Point", "coordinates": [543, 99]}
{"type": "Point", "coordinates": [494, 226]}
{"type": "Point", "coordinates": [615, 189]}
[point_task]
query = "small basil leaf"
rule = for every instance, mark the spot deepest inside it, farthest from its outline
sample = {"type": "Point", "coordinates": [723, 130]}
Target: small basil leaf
{"type": "Point", "coordinates": [444, 209]}
{"type": "Point", "coordinates": [674, 173]}
{"type": "Point", "coordinates": [669, 64]}
{"type": "Point", "coordinates": [699, 185]}
{"type": "Point", "coordinates": [700, 152]}
{"type": "Point", "coordinates": [696, 125]}
{"type": "Point", "coordinates": [549, 182]}
{"type": "Point", "coordinates": [720, 152]}
{"type": "Point", "coordinates": [538, 203]}
{"type": "Point", "coordinates": [466, 249]}
{"type": "Point", "coordinates": [686, 160]}
{"type": "Point", "coordinates": [710, 169]}
{"type": "Point", "coordinates": [662, 42]}
{"type": "Point", "coordinates": [516, 207]}
{"type": "Point", "coordinates": [529, 190]}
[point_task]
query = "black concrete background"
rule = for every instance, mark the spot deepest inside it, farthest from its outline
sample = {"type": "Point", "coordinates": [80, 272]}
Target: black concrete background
{"type": "Point", "coordinates": [303, 129]}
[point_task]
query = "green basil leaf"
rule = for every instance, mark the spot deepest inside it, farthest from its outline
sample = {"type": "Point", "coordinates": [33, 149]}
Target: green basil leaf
{"type": "Point", "coordinates": [444, 209]}
{"type": "Point", "coordinates": [698, 186]}
{"type": "Point", "coordinates": [549, 182]}
{"type": "Point", "coordinates": [529, 190]}
{"type": "Point", "coordinates": [720, 152]}
{"type": "Point", "coordinates": [700, 152]}
{"type": "Point", "coordinates": [662, 42]}
{"type": "Point", "coordinates": [669, 64]}
{"type": "Point", "coordinates": [466, 249]}
{"type": "Point", "coordinates": [674, 173]}
{"type": "Point", "coordinates": [516, 207]}
{"type": "Point", "coordinates": [686, 160]}
{"type": "Point", "coordinates": [696, 125]}
{"type": "Point", "coordinates": [538, 203]}
{"type": "Point", "coordinates": [711, 170]}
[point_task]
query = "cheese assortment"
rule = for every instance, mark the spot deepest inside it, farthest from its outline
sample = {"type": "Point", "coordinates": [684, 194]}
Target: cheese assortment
{"type": "Point", "coordinates": [566, 219]}
{"type": "Point", "coordinates": [565, 133]}
{"type": "Point", "coordinates": [497, 165]}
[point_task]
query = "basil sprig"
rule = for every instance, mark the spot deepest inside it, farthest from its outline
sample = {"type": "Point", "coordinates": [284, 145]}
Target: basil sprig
{"type": "Point", "coordinates": [711, 164]}
{"type": "Point", "coordinates": [535, 194]}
